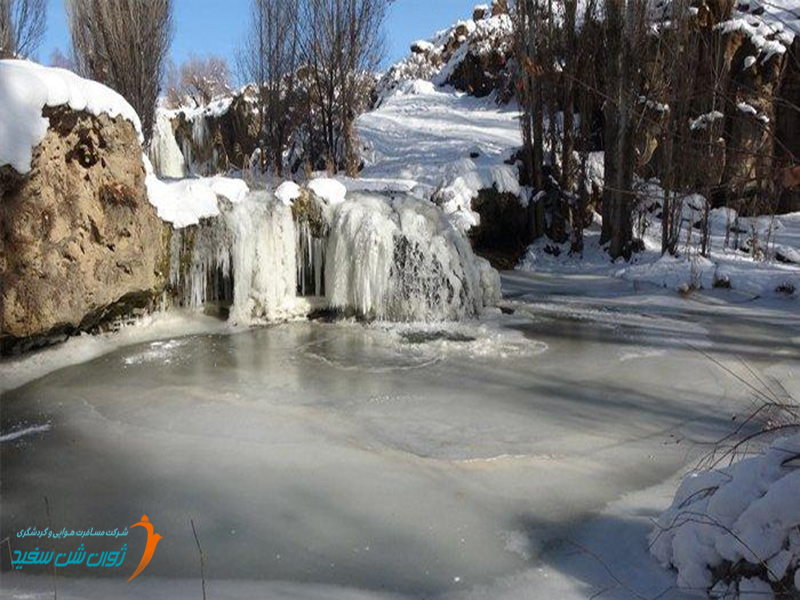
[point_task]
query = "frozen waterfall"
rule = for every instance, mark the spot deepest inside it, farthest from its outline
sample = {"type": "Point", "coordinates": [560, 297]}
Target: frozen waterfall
{"type": "Point", "coordinates": [370, 256]}
{"type": "Point", "coordinates": [166, 156]}
{"type": "Point", "coordinates": [401, 260]}
{"type": "Point", "coordinates": [244, 258]}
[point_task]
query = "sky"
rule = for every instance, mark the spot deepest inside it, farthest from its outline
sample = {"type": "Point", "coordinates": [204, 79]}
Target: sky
{"type": "Point", "coordinates": [217, 26]}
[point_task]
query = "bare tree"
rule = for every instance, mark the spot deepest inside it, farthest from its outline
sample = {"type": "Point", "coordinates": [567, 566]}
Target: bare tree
{"type": "Point", "coordinates": [124, 44]}
{"type": "Point", "coordinates": [270, 59]}
{"type": "Point", "coordinates": [199, 79]}
{"type": "Point", "coordinates": [625, 28]}
{"type": "Point", "coordinates": [341, 41]}
{"type": "Point", "coordinates": [22, 25]}
{"type": "Point", "coordinates": [60, 60]}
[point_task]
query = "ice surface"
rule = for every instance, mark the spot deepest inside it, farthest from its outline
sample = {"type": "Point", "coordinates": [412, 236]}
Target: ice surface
{"type": "Point", "coordinates": [453, 461]}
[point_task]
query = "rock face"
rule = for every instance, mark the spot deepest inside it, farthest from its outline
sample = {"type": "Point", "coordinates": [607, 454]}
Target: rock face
{"type": "Point", "coordinates": [214, 141]}
{"type": "Point", "coordinates": [80, 242]}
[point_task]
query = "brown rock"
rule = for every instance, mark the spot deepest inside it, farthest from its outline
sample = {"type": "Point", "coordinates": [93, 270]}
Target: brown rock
{"type": "Point", "coordinates": [80, 243]}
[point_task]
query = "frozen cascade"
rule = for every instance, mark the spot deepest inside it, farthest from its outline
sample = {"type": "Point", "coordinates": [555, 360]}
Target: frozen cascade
{"type": "Point", "coordinates": [391, 259]}
{"type": "Point", "coordinates": [264, 261]}
{"type": "Point", "coordinates": [401, 260]}
{"type": "Point", "coordinates": [165, 154]}
{"type": "Point", "coordinates": [246, 257]}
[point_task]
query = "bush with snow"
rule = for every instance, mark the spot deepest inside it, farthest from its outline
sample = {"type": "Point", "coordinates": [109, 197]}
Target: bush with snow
{"type": "Point", "coordinates": [734, 531]}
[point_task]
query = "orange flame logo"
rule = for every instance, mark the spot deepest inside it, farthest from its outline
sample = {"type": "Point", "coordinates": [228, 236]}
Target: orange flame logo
{"type": "Point", "coordinates": [150, 548]}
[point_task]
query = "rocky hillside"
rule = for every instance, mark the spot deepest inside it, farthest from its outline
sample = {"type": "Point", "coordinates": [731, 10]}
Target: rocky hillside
{"type": "Point", "coordinates": [474, 56]}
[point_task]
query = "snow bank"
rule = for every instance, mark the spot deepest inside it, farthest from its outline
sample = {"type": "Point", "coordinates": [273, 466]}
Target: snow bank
{"type": "Point", "coordinates": [26, 88]}
{"type": "Point", "coordinates": [184, 202]}
{"type": "Point", "coordinates": [330, 190]}
{"type": "Point", "coordinates": [742, 518]}
{"type": "Point", "coordinates": [456, 195]}
{"type": "Point", "coordinates": [442, 143]}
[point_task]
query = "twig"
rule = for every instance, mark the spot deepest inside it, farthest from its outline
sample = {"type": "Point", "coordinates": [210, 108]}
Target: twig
{"type": "Point", "coordinates": [202, 558]}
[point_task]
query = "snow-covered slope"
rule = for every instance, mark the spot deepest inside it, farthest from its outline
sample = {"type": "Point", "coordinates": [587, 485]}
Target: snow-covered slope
{"type": "Point", "coordinates": [442, 141]}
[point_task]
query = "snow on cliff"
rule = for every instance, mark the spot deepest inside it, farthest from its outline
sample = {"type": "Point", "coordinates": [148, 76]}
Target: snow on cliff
{"type": "Point", "coordinates": [26, 88]}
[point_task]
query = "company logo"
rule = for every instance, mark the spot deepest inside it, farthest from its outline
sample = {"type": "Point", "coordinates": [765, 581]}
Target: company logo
{"type": "Point", "coordinates": [152, 541]}
{"type": "Point", "coordinates": [81, 557]}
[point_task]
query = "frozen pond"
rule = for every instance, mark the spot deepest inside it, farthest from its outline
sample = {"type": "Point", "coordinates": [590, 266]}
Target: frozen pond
{"type": "Point", "coordinates": [412, 460]}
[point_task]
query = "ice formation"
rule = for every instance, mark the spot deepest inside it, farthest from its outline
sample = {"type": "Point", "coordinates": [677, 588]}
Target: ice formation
{"type": "Point", "coordinates": [245, 257]}
{"type": "Point", "coordinates": [401, 260]}
{"type": "Point", "coordinates": [311, 250]}
{"type": "Point", "coordinates": [165, 154]}
{"type": "Point", "coordinates": [372, 256]}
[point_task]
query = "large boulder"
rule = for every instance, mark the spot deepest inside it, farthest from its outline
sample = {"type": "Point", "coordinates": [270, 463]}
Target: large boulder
{"type": "Point", "coordinates": [80, 244]}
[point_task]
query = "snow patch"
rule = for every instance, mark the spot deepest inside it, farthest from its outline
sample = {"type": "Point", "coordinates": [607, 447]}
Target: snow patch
{"type": "Point", "coordinates": [287, 192]}
{"type": "Point", "coordinates": [331, 191]}
{"type": "Point", "coordinates": [747, 511]}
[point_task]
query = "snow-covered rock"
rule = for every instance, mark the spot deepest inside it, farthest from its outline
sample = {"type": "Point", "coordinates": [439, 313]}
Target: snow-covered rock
{"type": "Point", "coordinates": [81, 242]}
{"type": "Point", "coordinates": [288, 192]}
{"type": "Point", "coordinates": [329, 190]}
{"type": "Point", "coordinates": [185, 202]}
{"type": "Point", "coordinates": [26, 88]}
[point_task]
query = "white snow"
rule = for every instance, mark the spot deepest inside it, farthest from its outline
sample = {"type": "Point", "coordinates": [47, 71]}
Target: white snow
{"type": "Point", "coordinates": [26, 88]}
{"type": "Point", "coordinates": [287, 192]}
{"type": "Point", "coordinates": [431, 136]}
{"type": "Point", "coordinates": [185, 202]}
{"type": "Point", "coordinates": [730, 256]}
{"type": "Point", "coordinates": [748, 511]}
{"type": "Point", "coordinates": [769, 35]}
{"type": "Point", "coordinates": [705, 120]}
{"type": "Point", "coordinates": [329, 190]}
{"type": "Point", "coordinates": [746, 108]}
